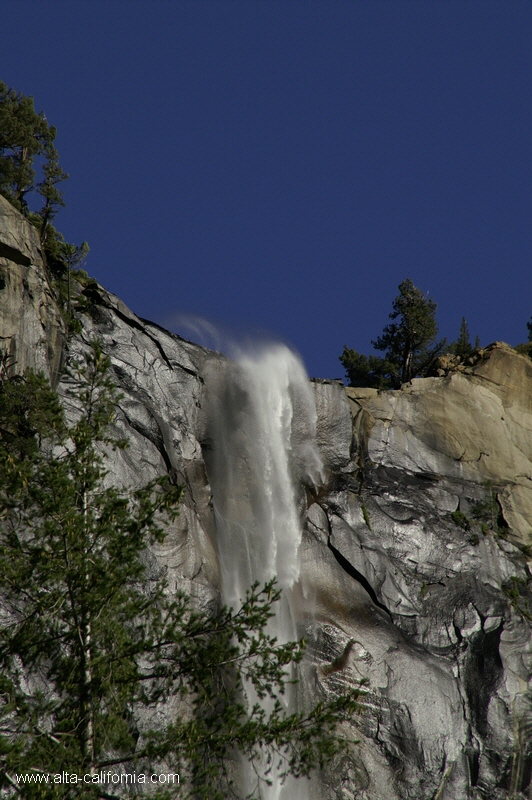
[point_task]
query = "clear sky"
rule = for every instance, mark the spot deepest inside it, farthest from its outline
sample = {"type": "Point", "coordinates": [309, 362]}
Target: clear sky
{"type": "Point", "coordinates": [284, 165]}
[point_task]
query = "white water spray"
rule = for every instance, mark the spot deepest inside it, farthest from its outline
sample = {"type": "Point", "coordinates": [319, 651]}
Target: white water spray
{"type": "Point", "coordinates": [263, 451]}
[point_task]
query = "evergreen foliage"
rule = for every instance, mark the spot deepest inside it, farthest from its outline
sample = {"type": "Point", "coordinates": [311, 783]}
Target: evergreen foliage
{"type": "Point", "coordinates": [462, 346]}
{"type": "Point", "coordinates": [24, 134]}
{"type": "Point", "coordinates": [408, 342]}
{"type": "Point", "coordinates": [87, 640]}
{"type": "Point", "coordinates": [26, 138]}
{"type": "Point", "coordinates": [370, 370]}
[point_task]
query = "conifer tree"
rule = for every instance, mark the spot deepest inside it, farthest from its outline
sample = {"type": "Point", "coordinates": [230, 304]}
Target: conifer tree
{"type": "Point", "coordinates": [26, 138]}
{"type": "Point", "coordinates": [362, 370]}
{"type": "Point", "coordinates": [462, 346]}
{"type": "Point", "coordinates": [87, 641]}
{"type": "Point", "coordinates": [409, 343]}
{"type": "Point", "coordinates": [53, 174]}
{"type": "Point", "coordinates": [24, 134]}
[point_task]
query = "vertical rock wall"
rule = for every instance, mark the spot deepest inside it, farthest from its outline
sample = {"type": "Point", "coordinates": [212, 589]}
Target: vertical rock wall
{"type": "Point", "coordinates": [32, 330]}
{"type": "Point", "coordinates": [429, 524]}
{"type": "Point", "coordinates": [415, 575]}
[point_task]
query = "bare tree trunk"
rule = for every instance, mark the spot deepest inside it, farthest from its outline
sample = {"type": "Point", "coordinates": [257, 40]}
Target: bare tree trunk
{"type": "Point", "coordinates": [406, 372]}
{"type": "Point", "coordinates": [89, 749]}
{"type": "Point", "coordinates": [88, 742]}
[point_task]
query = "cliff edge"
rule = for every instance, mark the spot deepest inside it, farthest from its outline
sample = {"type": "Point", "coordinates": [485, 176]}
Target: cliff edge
{"type": "Point", "coordinates": [415, 552]}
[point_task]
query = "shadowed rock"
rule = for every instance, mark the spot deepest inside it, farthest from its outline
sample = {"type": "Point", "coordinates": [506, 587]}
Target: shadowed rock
{"type": "Point", "coordinates": [447, 711]}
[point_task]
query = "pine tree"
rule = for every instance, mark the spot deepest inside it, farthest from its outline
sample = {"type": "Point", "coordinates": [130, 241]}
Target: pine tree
{"type": "Point", "coordinates": [53, 174]}
{"type": "Point", "coordinates": [462, 346]}
{"type": "Point", "coordinates": [369, 370]}
{"type": "Point", "coordinates": [26, 138]}
{"type": "Point", "coordinates": [410, 343]}
{"type": "Point", "coordinates": [87, 641]}
{"type": "Point", "coordinates": [24, 134]}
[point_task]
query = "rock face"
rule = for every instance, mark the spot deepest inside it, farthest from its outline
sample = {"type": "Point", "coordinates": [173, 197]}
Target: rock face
{"type": "Point", "coordinates": [431, 522]}
{"type": "Point", "coordinates": [414, 556]}
{"type": "Point", "coordinates": [32, 330]}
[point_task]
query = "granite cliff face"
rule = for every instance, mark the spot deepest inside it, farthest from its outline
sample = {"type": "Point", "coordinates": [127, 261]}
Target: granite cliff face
{"type": "Point", "coordinates": [433, 522]}
{"type": "Point", "coordinates": [32, 330]}
{"type": "Point", "coordinates": [414, 556]}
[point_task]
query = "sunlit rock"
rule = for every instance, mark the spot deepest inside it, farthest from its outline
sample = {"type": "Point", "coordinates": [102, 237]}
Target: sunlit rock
{"type": "Point", "coordinates": [414, 545]}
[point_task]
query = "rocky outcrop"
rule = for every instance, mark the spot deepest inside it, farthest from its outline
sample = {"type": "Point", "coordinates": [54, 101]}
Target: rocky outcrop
{"type": "Point", "coordinates": [32, 330]}
{"type": "Point", "coordinates": [414, 554]}
{"type": "Point", "coordinates": [161, 413]}
{"type": "Point", "coordinates": [471, 426]}
{"type": "Point", "coordinates": [415, 576]}
{"type": "Point", "coordinates": [430, 525]}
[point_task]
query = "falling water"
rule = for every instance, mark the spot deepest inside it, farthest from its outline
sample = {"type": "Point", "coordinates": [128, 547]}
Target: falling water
{"type": "Point", "coordinates": [263, 452]}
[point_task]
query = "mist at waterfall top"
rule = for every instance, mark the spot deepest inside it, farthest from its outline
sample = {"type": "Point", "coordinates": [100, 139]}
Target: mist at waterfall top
{"type": "Point", "coordinates": [273, 378]}
{"type": "Point", "coordinates": [234, 341]}
{"type": "Point", "coordinates": [285, 165]}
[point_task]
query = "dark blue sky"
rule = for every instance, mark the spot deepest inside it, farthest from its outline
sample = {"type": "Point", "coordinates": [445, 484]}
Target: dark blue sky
{"type": "Point", "coordinates": [285, 165]}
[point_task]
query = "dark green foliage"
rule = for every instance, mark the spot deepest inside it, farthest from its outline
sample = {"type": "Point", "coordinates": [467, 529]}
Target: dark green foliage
{"type": "Point", "coordinates": [61, 257]}
{"type": "Point", "coordinates": [364, 370]}
{"type": "Point", "coordinates": [466, 524]}
{"type": "Point", "coordinates": [26, 137]}
{"type": "Point", "coordinates": [525, 349]}
{"type": "Point", "coordinates": [209, 660]}
{"type": "Point", "coordinates": [87, 640]}
{"type": "Point", "coordinates": [460, 519]}
{"type": "Point", "coordinates": [408, 342]}
{"type": "Point", "coordinates": [24, 134]}
{"type": "Point", "coordinates": [462, 346]}
{"type": "Point", "coordinates": [518, 592]}
{"type": "Point", "coordinates": [488, 513]}
{"type": "Point", "coordinates": [69, 613]}
{"type": "Point", "coordinates": [29, 411]}
{"type": "Point", "coordinates": [53, 198]}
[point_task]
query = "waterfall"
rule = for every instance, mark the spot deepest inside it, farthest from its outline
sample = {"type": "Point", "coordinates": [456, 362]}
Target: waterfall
{"type": "Point", "coordinates": [262, 453]}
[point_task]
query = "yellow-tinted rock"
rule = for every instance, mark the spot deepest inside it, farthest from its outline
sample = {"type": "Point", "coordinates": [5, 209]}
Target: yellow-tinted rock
{"type": "Point", "coordinates": [475, 427]}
